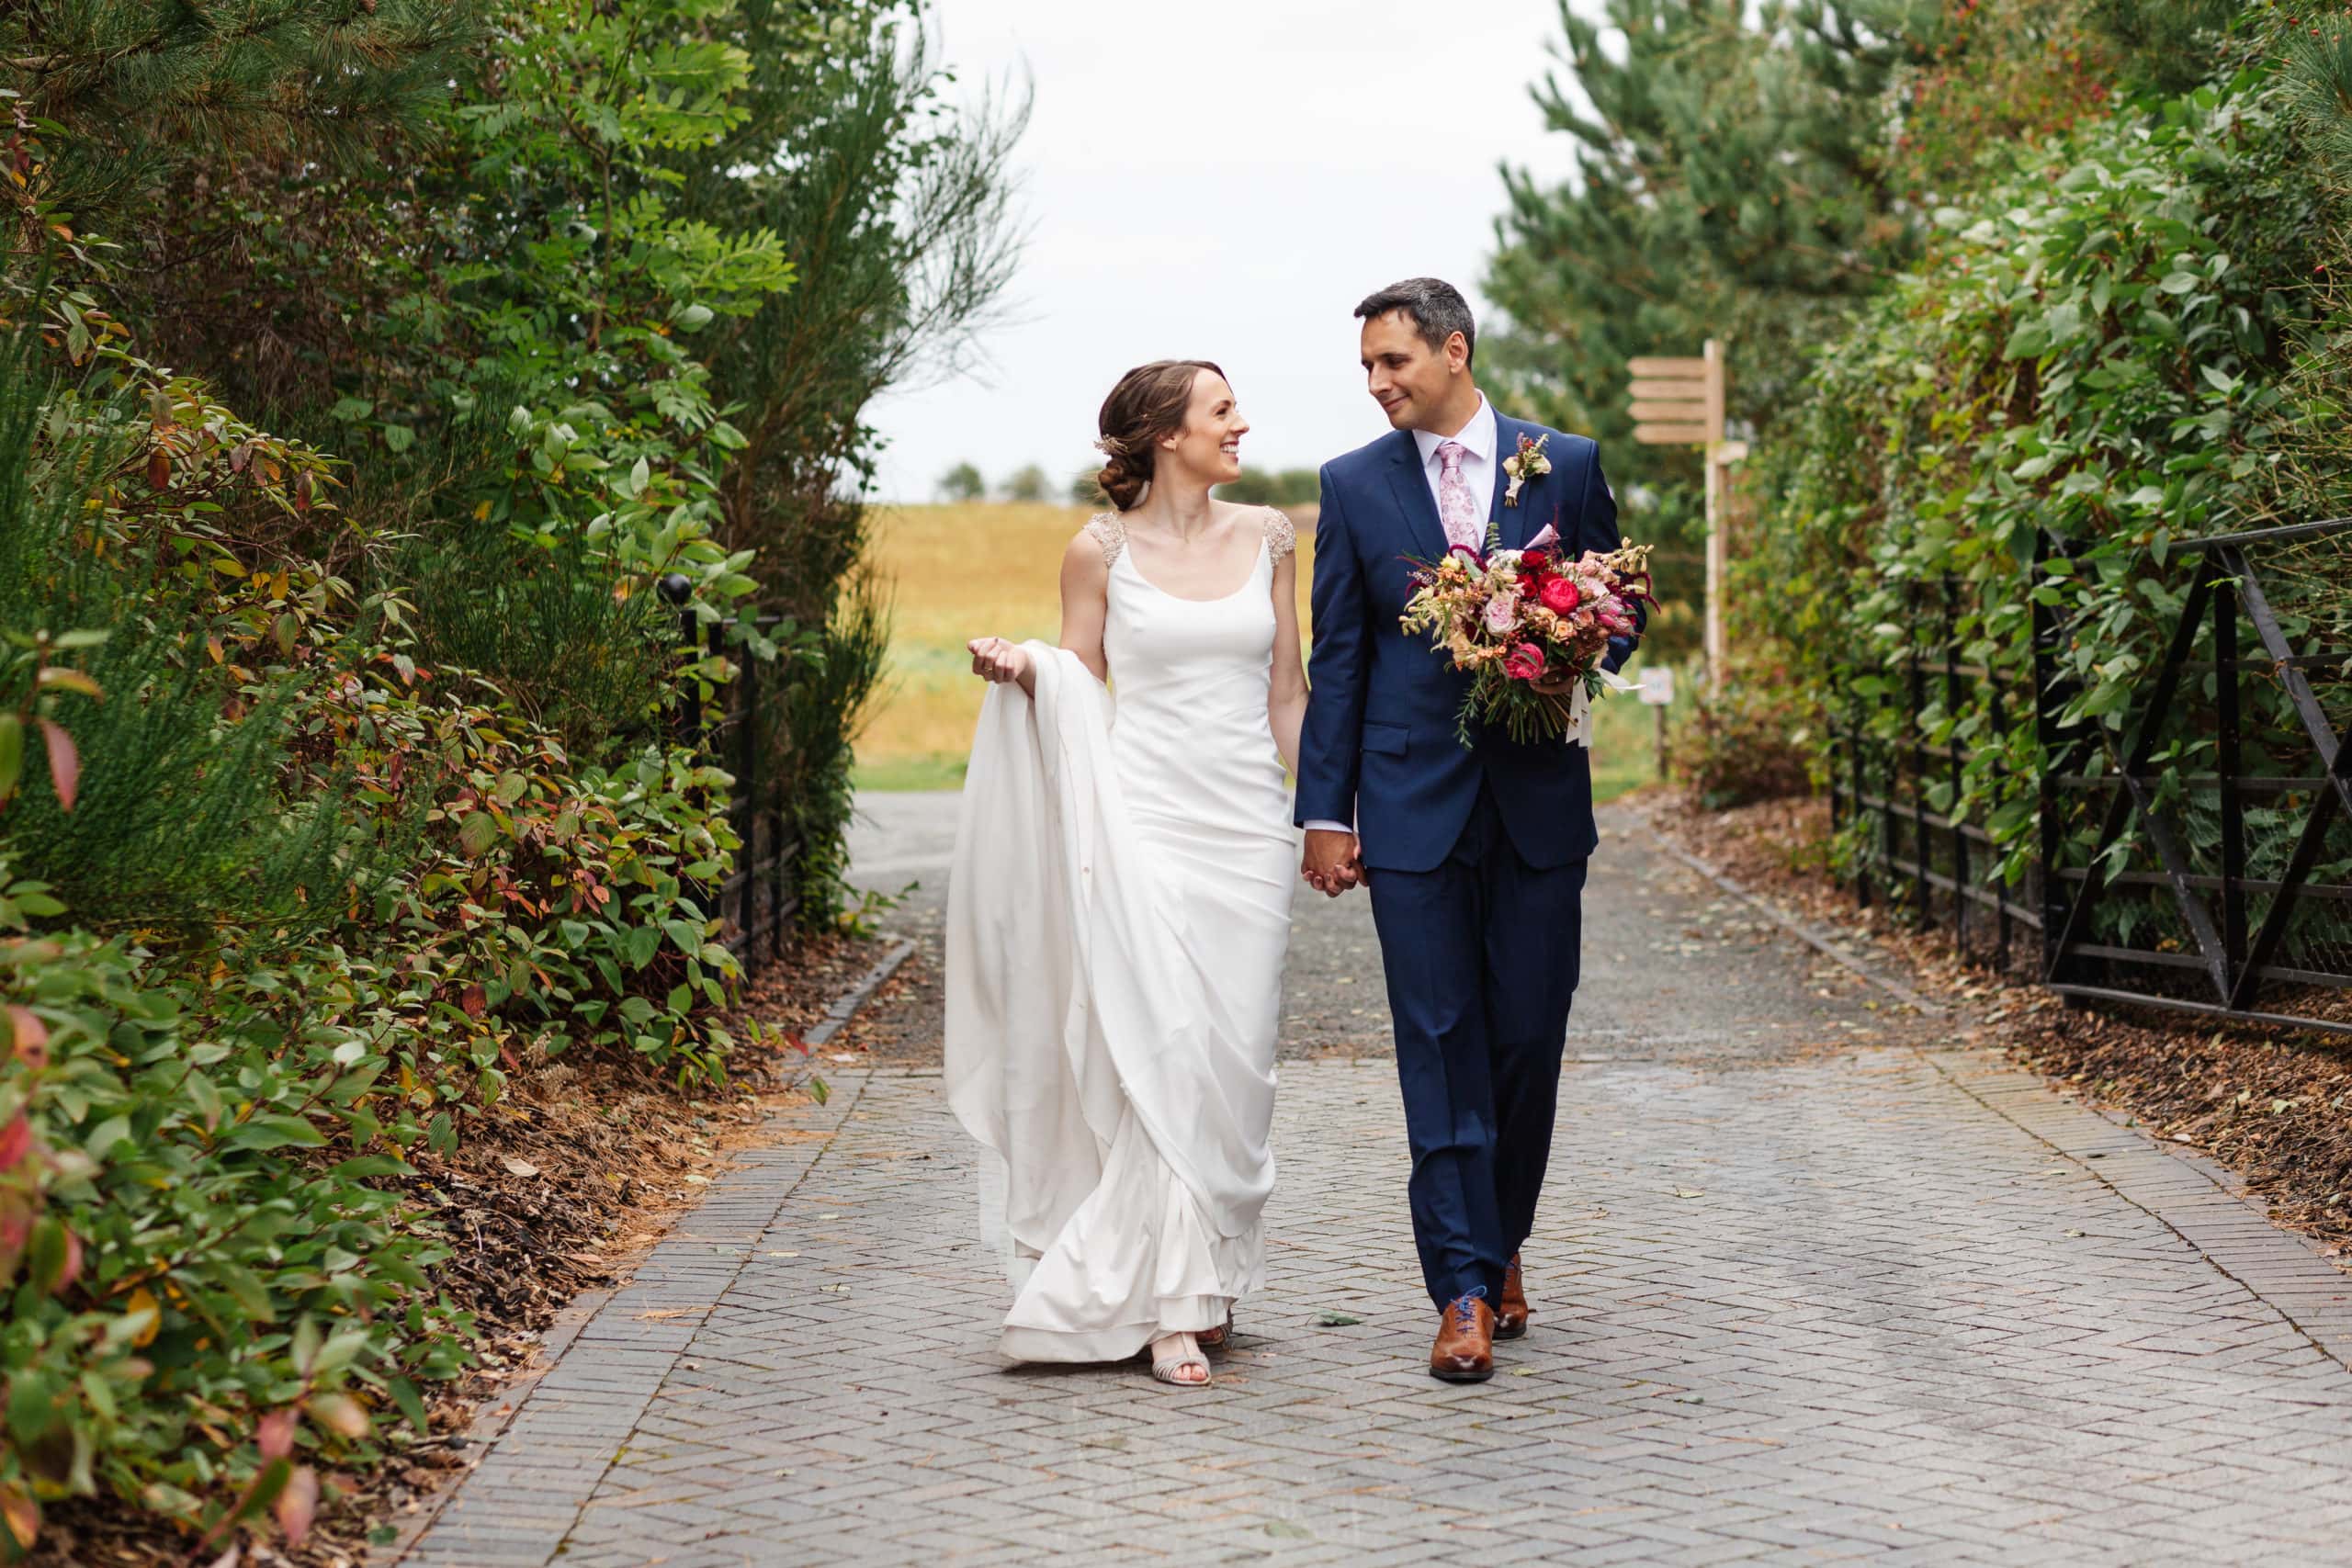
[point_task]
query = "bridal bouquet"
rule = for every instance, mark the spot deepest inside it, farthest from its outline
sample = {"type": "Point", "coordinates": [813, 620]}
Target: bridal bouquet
{"type": "Point", "coordinates": [1511, 618]}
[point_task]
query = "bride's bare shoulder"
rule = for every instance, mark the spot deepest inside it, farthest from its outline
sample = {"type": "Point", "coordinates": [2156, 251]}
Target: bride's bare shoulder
{"type": "Point", "coordinates": [1265, 522]}
{"type": "Point", "coordinates": [1248, 518]}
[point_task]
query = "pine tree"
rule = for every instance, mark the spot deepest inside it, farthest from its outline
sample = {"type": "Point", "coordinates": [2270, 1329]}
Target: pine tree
{"type": "Point", "coordinates": [2319, 89]}
{"type": "Point", "coordinates": [133, 87]}
{"type": "Point", "coordinates": [1729, 184]}
{"type": "Point", "coordinates": [1749, 172]}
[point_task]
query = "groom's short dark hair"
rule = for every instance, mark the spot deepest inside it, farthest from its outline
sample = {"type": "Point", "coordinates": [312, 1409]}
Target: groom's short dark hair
{"type": "Point", "coordinates": [1436, 305]}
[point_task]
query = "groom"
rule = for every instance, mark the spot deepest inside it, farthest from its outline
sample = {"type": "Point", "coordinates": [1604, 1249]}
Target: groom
{"type": "Point", "coordinates": [1474, 857]}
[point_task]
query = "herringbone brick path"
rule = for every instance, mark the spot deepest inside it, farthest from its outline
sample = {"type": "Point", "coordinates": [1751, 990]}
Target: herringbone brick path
{"type": "Point", "coordinates": [1889, 1303]}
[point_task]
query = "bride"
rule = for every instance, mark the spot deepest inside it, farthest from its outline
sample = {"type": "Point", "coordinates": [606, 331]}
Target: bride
{"type": "Point", "coordinates": [1120, 901]}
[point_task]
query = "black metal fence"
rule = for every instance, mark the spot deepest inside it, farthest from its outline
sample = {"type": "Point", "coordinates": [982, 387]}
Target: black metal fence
{"type": "Point", "coordinates": [2197, 858]}
{"type": "Point", "coordinates": [757, 901]}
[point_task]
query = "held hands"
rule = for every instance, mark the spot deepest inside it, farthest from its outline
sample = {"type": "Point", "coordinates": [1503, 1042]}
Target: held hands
{"type": "Point", "coordinates": [1334, 862]}
{"type": "Point", "coordinates": [997, 661]}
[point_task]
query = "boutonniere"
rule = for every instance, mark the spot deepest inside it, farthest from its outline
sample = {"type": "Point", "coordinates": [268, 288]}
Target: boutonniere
{"type": "Point", "coordinates": [1524, 464]}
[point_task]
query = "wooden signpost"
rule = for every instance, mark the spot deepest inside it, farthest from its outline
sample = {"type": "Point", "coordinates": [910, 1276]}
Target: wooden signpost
{"type": "Point", "coordinates": [1680, 402]}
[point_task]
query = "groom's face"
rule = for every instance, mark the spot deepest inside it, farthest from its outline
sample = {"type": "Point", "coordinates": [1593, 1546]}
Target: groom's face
{"type": "Point", "coordinates": [1412, 381]}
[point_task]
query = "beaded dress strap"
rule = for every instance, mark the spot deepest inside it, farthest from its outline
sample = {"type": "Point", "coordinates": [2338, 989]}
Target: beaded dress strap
{"type": "Point", "coordinates": [1109, 532]}
{"type": "Point", "coordinates": [1281, 537]}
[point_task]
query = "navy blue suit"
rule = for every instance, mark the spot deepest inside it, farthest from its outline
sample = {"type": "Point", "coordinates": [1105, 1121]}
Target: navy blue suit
{"type": "Point", "coordinates": [1476, 854]}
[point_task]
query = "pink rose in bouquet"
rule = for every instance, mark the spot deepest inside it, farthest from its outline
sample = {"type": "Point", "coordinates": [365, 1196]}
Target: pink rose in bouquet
{"type": "Point", "coordinates": [1502, 613]}
{"type": "Point", "coordinates": [1524, 662]}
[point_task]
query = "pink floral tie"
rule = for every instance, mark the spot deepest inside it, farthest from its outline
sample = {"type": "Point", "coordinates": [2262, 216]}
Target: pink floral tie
{"type": "Point", "coordinates": [1456, 507]}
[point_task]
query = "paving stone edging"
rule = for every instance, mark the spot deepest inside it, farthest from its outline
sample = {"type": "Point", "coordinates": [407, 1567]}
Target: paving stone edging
{"type": "Point", "coordinates": [2199, 1201]}
{"type": "Point", "coordinates": [531, 1455]}
{"type": "Point", "coordinates": [845, 1006]}
{"type": "Point", "coordinates": [606, 1313]}
{"type": "Point", "coordinates": [2202, 1202]}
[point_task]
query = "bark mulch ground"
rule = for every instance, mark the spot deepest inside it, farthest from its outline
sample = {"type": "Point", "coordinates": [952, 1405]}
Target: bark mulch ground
{"type": "Point", "coordinates": [559, 1189]}
{"type": "Point", "coordinates": [2269, 1104]}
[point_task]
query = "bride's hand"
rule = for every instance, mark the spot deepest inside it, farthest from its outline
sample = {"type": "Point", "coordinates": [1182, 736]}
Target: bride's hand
{"type": "Point", "coordinates": [995, 659]}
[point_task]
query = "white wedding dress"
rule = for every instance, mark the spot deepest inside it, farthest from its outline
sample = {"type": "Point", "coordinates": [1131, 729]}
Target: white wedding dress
{"type": "Point", "coordinates": [1118, 911]}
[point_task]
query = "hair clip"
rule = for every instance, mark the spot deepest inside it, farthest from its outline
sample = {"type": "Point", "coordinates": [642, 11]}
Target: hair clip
{"type": "Point", "coordinates": [1111, 446]}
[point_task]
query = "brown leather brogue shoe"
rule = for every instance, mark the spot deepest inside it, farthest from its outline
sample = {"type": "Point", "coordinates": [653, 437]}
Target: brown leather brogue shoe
{"type": "Point", "coordinates": [1510, 1315]}
{"type": "Point", "coordinates": [1464, 1351]}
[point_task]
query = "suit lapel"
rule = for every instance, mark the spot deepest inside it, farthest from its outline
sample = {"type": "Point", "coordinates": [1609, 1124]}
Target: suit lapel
{"type": "Point", "coordinates": [1412, 489]}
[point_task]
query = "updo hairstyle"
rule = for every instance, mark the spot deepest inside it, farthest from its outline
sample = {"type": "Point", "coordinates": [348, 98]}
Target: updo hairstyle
{"type": "Point", "coordinates": [1147, 407]}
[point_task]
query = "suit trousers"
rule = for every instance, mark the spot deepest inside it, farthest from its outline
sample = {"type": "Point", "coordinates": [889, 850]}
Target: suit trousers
{"type": "Point", "coordinates": [1482, 956]}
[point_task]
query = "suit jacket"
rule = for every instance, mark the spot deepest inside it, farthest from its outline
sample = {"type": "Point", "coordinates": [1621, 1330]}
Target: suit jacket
{"type": "Point", "coordinates": [1380, 747]}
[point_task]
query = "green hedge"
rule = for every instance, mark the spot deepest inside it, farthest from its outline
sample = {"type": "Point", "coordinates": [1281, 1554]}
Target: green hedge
{"type": "Point", "coordinates": [2099, 349]}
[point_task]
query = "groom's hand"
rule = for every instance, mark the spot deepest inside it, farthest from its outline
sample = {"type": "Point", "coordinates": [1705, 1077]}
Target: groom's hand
{"type": "Point", "coordinates": [1334, 862]}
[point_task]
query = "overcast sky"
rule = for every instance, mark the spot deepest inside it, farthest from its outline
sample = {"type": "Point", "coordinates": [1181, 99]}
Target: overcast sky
{"type": "Point", "coordinates": [1224, 180]}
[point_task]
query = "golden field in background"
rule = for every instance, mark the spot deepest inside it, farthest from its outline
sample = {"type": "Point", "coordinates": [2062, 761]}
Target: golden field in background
{"type": "Point", "coordinates": [966, 571]}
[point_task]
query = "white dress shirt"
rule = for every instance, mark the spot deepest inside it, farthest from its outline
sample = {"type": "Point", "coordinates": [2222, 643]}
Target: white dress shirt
{"type": "Point", "coordinates": [1477, 438]}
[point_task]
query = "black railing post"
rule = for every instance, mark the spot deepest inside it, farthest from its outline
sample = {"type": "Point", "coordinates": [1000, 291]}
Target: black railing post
{"type": "Point", "coordinates": [678, 592]}
{"type": "Point", "coordinates": [1960, 888]}
{"type": "Point", "coordinates": [1862, 808]}
{"type": "Point", "coordinates": [1922, 852]}
{"type": "Point", "coordinates": [745, 712]}
{"type": "Point", "coordinates": [2042, 635]}
{"type": "Point", "coordinates": [2000, 710]}
{"type": "Point", "coordinates": [1888, 849]}
{"type": "Point", "coordinates": [2229, 758]}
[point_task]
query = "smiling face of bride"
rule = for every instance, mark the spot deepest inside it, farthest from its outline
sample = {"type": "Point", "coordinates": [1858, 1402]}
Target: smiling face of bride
{"type": "Point", "coordinates": [1206, 448]}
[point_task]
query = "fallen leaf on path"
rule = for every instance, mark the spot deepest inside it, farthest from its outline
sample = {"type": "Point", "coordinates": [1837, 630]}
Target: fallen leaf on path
{"type": "Point", "coordinates": [1690, 1193]}
{"type": "Point", "coordinates": [1335, 1320]}
{"type": "Point", "coordinates": [518, 1166]}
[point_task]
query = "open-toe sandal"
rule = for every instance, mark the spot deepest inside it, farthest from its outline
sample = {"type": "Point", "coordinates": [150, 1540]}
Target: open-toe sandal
{"type": "Point", "coordinates": [1165, 1370]}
